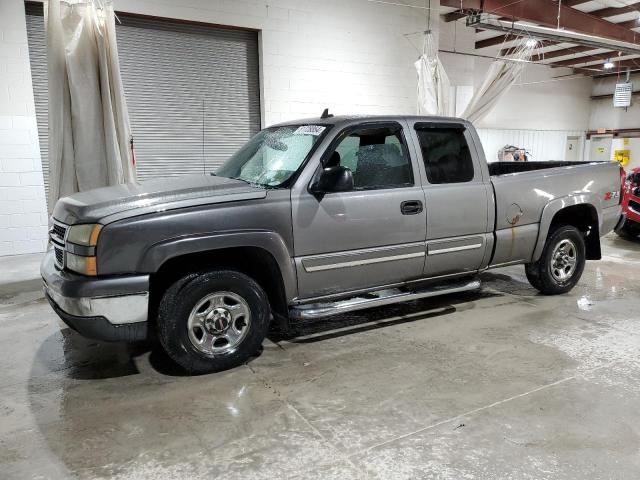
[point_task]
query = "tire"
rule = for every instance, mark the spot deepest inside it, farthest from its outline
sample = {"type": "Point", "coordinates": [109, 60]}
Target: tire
{"type": "Point", "coordinates": [227, 309]}
{"type": "Point", "coordinates": [548, 280]}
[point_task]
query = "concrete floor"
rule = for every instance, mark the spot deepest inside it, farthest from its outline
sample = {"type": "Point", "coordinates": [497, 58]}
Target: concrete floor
{"type": "Point", "coordinates": [503, 383]}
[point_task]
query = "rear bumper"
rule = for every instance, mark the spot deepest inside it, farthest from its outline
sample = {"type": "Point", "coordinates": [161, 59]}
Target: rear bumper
{"type": "Point", "coordinates": [109, 309]}
{"type": "Point", "coordinates": [610, 219]}
{"type": "Point", "coordinates": [620, 224]}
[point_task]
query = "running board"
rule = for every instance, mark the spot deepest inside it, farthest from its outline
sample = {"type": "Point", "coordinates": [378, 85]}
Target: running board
{"type": "Point", "coordinates": [378, 298]}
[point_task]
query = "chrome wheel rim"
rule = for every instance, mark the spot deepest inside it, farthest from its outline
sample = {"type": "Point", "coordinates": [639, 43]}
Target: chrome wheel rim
{"type": "Point", "coordinates": [564, 260]}
{"type": "Point", "coordinates": [218, 323]}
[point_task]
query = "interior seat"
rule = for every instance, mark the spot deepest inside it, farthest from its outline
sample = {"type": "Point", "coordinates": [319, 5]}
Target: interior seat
{"type": "Point", "coordinates": [381, 165]}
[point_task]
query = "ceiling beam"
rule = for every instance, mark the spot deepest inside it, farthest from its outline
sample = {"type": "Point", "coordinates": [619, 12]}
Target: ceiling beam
{"type": "Point", "coordinates": [635, 23]}
{"type": "Point", "coordinates": [541, 44]}
{"type": "Point", "coordinates": [634, 71]}
{"type": "Point", "coordinates": [500, 39]}
{"type": "Point", "coordinates": [632, 63]}
{"type": "Point", "coordinates": [610, 95]}
{"type": "Point", "coordinates": [586, 59]}
{"type": "Point", "coordinates": [620, 68]}
{"type": "Point", "coordinates": [574, 3]}
{"type": "Point", "coordinates": [463, 5]}
{"type": "Point", "coordinates": [562, 53]}
{"type": "Point", "coordinates": [545, 12]}
{"type": "Point", "coordinates": [613, 11]}
{"type": "Point", "coordinates": [453, 16]}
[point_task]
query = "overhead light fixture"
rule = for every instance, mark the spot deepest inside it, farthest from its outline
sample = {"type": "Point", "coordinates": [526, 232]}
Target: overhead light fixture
{"type": "Point", "coordinates": [532, 42]}
{"type": "Point", "coordinates": [608, 65]}
{"type": "Point", "coordinates": [486, 22]}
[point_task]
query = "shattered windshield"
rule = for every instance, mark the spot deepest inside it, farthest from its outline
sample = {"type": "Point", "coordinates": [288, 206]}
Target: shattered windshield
{"type": "Point", "coordinates": [273, 155]}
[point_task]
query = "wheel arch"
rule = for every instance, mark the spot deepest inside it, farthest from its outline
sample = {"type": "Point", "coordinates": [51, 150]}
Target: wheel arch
{"type": "Point", "coordinates": [261, 255]}
{"type": "Point", "coordinates": [577, 210]}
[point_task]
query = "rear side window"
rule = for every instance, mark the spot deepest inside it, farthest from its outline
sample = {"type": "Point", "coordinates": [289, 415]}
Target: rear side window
{"type": "Point", "coordinates": [446, 155]}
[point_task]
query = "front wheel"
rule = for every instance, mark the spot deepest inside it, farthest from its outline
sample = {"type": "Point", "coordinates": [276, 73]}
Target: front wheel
{"type": "Point", "coordinates": [213, 321]}
{"type": "Point", "coordinates": [561, 264]}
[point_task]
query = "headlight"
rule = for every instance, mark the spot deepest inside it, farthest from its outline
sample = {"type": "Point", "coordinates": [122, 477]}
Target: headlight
{"type": "Point", "coordinates": [81, 248]}
{"type": "Point", "coordinates": [80, 264]}
{"type": "Point", "coordinates": [86, 235]}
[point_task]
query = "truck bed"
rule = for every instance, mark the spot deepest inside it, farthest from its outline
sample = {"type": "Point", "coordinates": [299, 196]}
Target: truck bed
{"type": "Point", "coordinates": [504, 168]}
{"type": "Point", "coordinates": [523, 189]}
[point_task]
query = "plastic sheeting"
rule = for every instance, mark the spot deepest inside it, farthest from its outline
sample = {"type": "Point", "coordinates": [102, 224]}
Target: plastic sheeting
{"type": "Point", "coordinates": [434, 88]}
{"type": "Point", "coordinates": [89, 130]}
{"type": "Point", "coordinates": [501, 75]}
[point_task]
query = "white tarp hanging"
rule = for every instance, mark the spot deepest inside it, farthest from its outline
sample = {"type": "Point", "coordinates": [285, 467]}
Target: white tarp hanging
{"type": "Point", "coordinates": [434, 88]}
{"type": "Point", "coordinates": [89, 130]}
{"type": "Point", "coordinates": [501, 75]}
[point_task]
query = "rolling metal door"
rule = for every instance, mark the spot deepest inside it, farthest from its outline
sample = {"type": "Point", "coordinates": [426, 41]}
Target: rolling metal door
{"type": "Point", "coordinates": [192, 91]}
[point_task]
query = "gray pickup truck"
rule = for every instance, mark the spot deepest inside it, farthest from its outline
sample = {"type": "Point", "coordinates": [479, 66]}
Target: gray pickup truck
{"type": "Point", "coordinates": [314, 218]}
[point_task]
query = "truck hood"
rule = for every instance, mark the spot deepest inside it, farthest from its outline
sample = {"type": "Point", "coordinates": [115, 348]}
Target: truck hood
{"type": "Point", "coordinates": [121, 201]}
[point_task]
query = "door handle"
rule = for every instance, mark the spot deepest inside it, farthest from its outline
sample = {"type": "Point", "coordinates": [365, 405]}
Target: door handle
{"type": "Point", "coordinates": [411, 207]}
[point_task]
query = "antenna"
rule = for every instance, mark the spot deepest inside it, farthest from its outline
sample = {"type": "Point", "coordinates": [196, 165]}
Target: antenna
{"type": "Point", "coordinates": [326, 114]}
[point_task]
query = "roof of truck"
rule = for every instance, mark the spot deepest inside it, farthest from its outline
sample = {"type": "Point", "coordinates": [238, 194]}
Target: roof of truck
{"type": "Point", "coordinates": [345, 119]}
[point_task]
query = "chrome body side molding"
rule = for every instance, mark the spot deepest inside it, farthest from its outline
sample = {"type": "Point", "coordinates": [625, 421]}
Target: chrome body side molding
{"type": "Point", "coordinates": [357, 263]}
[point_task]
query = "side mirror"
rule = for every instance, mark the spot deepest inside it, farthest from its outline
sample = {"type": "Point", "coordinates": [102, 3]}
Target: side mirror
{"type": "Point", "coordinates": [332, 180]}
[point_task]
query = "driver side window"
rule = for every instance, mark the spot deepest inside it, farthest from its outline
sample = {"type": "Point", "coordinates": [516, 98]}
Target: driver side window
{"type": "Point", "coordinates": [377, 157]}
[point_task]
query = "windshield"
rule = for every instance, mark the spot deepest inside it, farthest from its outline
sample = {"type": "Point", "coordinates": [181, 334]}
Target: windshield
{"type": "Point", "coordinates": [273, 155]}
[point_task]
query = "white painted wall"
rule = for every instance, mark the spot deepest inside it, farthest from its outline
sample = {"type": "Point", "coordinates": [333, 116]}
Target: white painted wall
{"type": "Point", "coordinates": [538, 113]}
{"type": "Point", "coordinates": [618, 144]}
{"type": "Point", "coordinates": [23, 217]}
{"type": "Point", "coordinates": [537, 102]}
{"type": "Point", "coordinates": [634, 148]}
{"type": "Point", "coordinates": [542, 144]}
{"type": "Point", "coordinates": [604, 115]}
{"type": "Point", "coordinates": [348, 55]}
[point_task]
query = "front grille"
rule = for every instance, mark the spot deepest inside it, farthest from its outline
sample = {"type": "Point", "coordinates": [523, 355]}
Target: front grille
{"type": "Point", "coordinates": [58, 233]}
{"type": "Point", "coordinates": [635, 206]}
{"type": "Point", "coordinates": [59, 256]}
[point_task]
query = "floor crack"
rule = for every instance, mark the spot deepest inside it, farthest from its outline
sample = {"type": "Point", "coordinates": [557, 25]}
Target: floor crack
{"type": "Point", "coordinates": [485, 407]}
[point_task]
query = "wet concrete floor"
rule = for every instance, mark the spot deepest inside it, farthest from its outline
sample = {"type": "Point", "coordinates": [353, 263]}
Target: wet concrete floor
{"type": "Point", "coordinates": [502, 383]}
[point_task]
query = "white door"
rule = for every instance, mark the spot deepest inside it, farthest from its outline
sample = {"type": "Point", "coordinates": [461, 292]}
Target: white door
{"type": "Point", "coordinates": [571, 149]}
{"type": "Point", "coordinates": [600, 148]}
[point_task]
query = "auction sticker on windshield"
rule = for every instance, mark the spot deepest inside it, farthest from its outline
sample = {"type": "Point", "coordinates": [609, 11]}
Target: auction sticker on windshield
{"type": "Point", "coordinates": [309, 130]}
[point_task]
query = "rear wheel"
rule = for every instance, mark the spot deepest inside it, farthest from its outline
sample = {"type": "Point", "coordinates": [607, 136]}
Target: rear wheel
{"type": "Point", "coordinates": [213, 321]}
{"type": "Point", "coordinates": [561, 264]}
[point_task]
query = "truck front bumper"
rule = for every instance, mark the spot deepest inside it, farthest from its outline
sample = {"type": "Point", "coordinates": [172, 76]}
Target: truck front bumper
{"type": "Point", "coordinates": [112, 309]}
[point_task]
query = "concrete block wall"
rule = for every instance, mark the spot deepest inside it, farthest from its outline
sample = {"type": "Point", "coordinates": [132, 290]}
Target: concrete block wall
{"type": "Point", "coordinates": [23, 214]}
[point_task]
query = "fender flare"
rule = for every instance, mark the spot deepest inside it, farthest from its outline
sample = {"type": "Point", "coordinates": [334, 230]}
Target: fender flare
{"type": "Point", "coordinates": [554, 206]}
{"type": "Point", "coordinates": [272, 243]}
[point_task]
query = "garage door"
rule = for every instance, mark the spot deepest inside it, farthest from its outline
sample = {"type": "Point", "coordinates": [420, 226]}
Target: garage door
{"type": "Point", "coordinates": [192, 91]}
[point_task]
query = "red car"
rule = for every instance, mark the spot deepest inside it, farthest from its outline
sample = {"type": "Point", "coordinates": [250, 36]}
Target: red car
{"type": "Point", "coordinates": [631, 205]}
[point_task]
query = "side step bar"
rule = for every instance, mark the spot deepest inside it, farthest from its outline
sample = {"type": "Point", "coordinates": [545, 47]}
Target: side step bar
{"type": "Point", "coordinates": [378, 298]}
